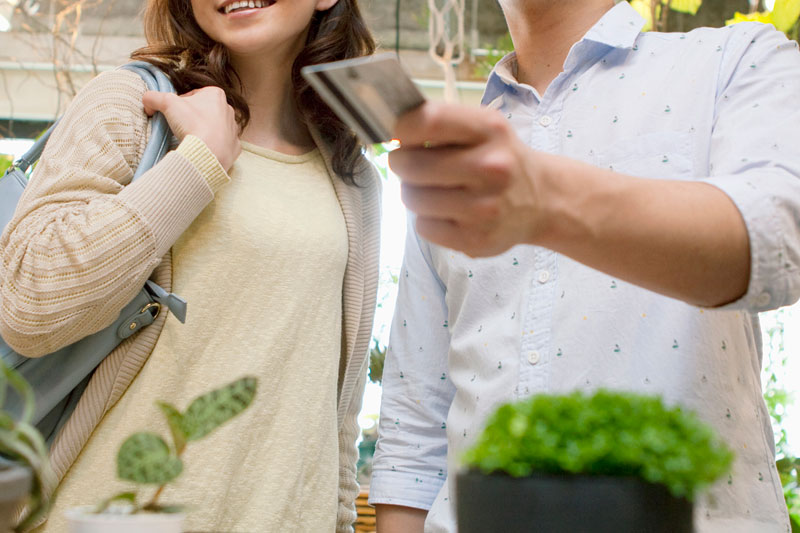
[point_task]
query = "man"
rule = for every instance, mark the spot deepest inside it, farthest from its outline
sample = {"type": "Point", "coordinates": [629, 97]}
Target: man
{"type": "Point", "coordinates": [637, 258]}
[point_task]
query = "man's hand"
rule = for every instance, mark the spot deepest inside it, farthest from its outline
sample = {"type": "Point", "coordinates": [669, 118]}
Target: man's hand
{"type": "Point", "coordinates": [204, 113]}
{"type": "Point", "coordinates": [469, 179]}
{"type": "Point", "coordinates": [476, 188]}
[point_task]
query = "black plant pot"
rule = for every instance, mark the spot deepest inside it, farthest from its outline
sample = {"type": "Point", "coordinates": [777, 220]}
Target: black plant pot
{"type": "Point", "coordinates": [567, 503]}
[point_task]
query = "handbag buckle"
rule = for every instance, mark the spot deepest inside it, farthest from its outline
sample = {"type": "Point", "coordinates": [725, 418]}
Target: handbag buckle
{"type": "Point", "coordinates": [153, 307]}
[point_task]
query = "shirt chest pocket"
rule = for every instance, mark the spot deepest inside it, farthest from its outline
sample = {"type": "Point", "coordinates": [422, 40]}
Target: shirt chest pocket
{"type": "Point", "coordinates": [666, 155]}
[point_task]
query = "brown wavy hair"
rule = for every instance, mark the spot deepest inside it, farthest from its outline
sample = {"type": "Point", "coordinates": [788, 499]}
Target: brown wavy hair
{"type": "Point", "coordinates": [191, 59]}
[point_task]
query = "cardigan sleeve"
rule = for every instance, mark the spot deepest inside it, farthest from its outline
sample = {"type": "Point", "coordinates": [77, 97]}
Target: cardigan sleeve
{"type": "Point", "coordinates": [82, 241]}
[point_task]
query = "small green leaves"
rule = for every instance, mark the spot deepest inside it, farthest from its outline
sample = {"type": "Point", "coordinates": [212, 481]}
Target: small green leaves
{"type": "Point", "coordinates": [145, 458]}
{"type": "Point", "coordinates": [175, 422]}
{"type": "Point", "coordinates": [211, 410]}
{"type": "Point", "coordinates": [604, 434]}
{"type": "Point", "coordinates": [25, 391]}
{"type": "Point", "coordinates": [129, 497]}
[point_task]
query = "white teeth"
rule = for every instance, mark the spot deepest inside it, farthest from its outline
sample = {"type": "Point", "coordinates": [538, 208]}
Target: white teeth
{"type": "Point", "coordinates": [245, 4]}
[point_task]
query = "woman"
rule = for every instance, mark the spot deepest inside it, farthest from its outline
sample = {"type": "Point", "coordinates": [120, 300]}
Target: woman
{"type": "Point", "coordinates": [277, 258]}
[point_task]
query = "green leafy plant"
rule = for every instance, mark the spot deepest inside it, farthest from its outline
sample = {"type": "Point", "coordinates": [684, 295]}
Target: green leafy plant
{"type": "Point", "coordinates": [22, 444]}
{"type": "Point", "coordinates": [377, 358]}
{"type": "Point", "coordinates": [784, 16]}
{"type": "Point", "coordinates": [610, 434]}
{"type": "Point", "coordinates": [484, 65]}
{"type": "Point", "coordinates": [147, 459]}
{"type": "Point", "coordinates": [778, 399]}
{"type": "Point", "coordinates": [5, 163]}
{"type": "Point", "coordinates": [655, 12]}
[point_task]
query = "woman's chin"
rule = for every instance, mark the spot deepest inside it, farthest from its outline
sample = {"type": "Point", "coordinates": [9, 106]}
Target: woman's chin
{"type": "Point", "coordinates": [265, 50]}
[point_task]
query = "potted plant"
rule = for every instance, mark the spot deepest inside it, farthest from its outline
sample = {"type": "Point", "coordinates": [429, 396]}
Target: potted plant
{"type": "Point", "coordinates": [146, 459]}
{"type": "Point", "coordinates": [24, 464]}
{"type": "Point", "coordinates": [609, 462]}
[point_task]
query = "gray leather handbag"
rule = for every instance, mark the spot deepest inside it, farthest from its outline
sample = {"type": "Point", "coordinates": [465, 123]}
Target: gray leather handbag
{"type": "Point", "coordinates": [58, 379]}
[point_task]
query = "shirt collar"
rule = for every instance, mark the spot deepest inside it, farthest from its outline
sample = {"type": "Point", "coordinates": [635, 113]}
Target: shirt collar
{"type": "Point", "coordinates": [618, 28]}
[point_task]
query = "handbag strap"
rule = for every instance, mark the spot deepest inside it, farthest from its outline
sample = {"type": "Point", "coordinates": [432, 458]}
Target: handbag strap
{"type": "Point", "coordinates": [157, 146]}
{"type": "Point", "coordinates": [160, 133]}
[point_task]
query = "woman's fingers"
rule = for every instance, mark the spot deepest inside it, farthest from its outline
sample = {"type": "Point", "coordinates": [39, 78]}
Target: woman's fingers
{"type": "Point", "coordinates": [155, 101]}
{"type": "Point", "coordinates": [204, 113]}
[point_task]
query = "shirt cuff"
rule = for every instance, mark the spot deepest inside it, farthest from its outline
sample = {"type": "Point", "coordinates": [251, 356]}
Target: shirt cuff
{"type": "Point", "coordinates": [199, 155]}
{"type": "Point", "coordinates": [405, 489]}
{"type": "Point", "coordinates": [767, 288]}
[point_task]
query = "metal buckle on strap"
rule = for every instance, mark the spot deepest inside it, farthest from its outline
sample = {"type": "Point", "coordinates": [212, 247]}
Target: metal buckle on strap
{"type": "Point", "coordinates": [153, 306]}
{"type": "Point", "coordinates": [143, 318]}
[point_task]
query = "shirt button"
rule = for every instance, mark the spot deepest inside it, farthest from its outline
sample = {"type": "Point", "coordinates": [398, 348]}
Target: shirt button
{"type": "Point", "coordinates": [545, 121]}
{"type": "Point", "coordinates": [763, 299]}
{"type": "Point", "coordinates": [534, 357]}
{"type": "Point", "coordinates": [543, 276]}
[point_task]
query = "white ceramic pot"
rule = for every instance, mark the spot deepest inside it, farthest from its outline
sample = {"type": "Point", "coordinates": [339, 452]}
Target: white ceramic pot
{"type": "Point", "coordinates": [82, 520]}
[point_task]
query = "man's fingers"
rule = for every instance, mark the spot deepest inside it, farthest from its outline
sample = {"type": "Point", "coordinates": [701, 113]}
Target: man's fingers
{"type": "Point", "coordinates": [435, 124]}
{"type": "Point", "coordinates": [433, 201]}
{"type": "Point", "coordinates": [438, 231]}
{"type": "Point", "coordinates": [453, 204]}
{"type": "Point", "coordinates": [485, 167]}
{"type": "Point", "coordinates": [475, 241]}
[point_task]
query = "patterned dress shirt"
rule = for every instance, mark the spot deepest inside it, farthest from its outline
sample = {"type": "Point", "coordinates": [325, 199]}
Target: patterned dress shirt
{"type": "Point", "coordinates": [721, 106]}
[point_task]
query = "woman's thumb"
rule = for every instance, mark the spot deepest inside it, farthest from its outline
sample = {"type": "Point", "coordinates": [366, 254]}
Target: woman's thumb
{"type": "Point", "coordinates": [155, 101]}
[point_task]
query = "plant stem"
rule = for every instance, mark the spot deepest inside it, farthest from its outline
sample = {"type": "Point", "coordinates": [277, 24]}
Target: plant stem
{"type": "Point", "coordinates": [654, 14]}
{"type": "Point", "coordinates": [664, 14]}
{"type": "Point", "coordinates": [152, 505]}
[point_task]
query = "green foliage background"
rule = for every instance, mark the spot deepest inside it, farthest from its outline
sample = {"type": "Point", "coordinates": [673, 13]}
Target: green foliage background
{"type": "Point", "coordinates": [5, 162]}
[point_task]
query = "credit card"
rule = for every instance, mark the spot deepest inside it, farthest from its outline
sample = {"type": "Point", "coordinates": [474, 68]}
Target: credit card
{"type": "Point", "coordinates": [367, 93]}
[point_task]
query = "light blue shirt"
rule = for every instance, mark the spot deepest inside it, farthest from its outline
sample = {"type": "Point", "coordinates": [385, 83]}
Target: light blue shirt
{"type": "Point", "coordinates": [715, 105]}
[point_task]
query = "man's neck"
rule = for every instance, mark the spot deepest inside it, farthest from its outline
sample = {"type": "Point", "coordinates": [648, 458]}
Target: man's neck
{"type": "Point", "coordinates": [543, 32]}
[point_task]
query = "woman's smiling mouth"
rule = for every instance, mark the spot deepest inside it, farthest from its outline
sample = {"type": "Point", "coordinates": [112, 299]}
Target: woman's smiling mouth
{"type": "Point", "coordinates": [243, 5]}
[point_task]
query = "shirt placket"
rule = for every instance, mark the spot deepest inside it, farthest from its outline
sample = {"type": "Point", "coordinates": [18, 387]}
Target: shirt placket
{"type": "Point", "coordinates": [541, 132]}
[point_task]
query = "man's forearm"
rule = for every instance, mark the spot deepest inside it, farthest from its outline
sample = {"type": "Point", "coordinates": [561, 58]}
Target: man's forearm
{"type": "Point", "coordinates": [684, 239]}
{"type": "Point", "coordinates": [397, 519]}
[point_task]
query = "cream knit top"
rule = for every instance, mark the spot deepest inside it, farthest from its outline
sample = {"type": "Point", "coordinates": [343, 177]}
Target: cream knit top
{"type": "Point", "coordinates": [82, 243]}
{"type": "Point", "coordinates": [262, 267]}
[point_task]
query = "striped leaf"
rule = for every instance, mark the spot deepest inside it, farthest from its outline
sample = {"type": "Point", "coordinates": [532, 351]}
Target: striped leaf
{"type": "Point", "coordinates": [208, 412]}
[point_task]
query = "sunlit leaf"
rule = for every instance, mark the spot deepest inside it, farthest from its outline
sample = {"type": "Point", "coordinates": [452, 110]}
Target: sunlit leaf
{"type": "Point", "coordinates": [758, 16]}
{"type": "Point", "coordinates": [643, 8]}
{"type": "Point", "coordinates": [5, 162]}
{"type": "Point", "coordinates": [785, 14]}
{"type": "Point", "coordinates": [685, 6]}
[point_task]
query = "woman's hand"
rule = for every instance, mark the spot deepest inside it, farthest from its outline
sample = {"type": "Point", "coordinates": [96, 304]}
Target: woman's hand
{"type": "Point", "coordinates": [204, 113]}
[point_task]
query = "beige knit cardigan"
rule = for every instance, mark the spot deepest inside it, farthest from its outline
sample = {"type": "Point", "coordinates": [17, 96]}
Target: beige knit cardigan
{"type": "Point", "coordinates": [83, 241]}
